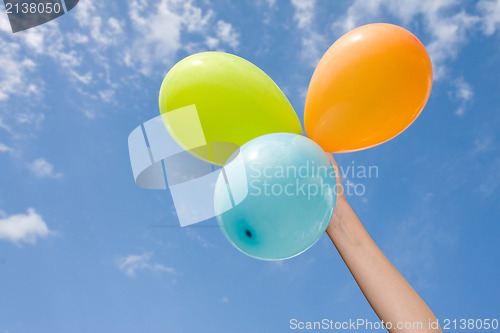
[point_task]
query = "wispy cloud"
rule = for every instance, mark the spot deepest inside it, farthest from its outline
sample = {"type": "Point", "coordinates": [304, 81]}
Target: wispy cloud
{"type": "Point", "coordinates": [29, 118]}
{"type": "Point", "coordinates": [464, 94]}
{"type": "Point", "coordinates": [43, 169]}
{"type": "Point", "coordinates": [158, 28]}
{"type": "Point", "coordinates": [3, 126]}
{"type": "Point", "coordinates": [104, 32]}
{"type": "Point", "coordinates": [193, 234]}
{"type": "Point", "coordinates": [483, 144]}
{"type": "Point", "coordinates": [95, 52]}
{"type": "Point", "coordinates": [4, 148]}
{"type": "Point", "coordinates": [491, 179]}
{"type": "Point", "coordinates": [313, 42]}
{"type": "Point", "coordinates": [304, 12]}
{"type": "Point", "coordinates": [226, 34]}
{"type": "Point", "coordinates": [23, 228]}
{"type": "Point", "coordinates": [490, 10]}
{"type": "Point", "coordinates": [15, 70]}
{"type": "Point", "coordinates": [20, 75]}
{"type": "Point", "coordinates": [132, 264]}
{"type": "Point", "coordinates": [412, 245]}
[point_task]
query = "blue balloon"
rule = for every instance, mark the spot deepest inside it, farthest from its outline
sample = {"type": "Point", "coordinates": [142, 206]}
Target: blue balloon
{"type": "Point", "coordinates": [275, 196]}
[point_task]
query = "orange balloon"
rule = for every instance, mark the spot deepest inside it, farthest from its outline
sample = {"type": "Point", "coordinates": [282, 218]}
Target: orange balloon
{"type": "Point", "coordinates": [369, 86]}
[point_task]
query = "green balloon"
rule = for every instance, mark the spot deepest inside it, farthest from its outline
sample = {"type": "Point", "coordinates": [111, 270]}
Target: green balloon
{"type": "Point", "coordinates": [214, 102]}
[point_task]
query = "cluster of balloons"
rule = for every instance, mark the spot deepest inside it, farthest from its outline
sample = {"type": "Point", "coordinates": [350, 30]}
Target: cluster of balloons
{"type": "Point", "coordinates": [369, 86]}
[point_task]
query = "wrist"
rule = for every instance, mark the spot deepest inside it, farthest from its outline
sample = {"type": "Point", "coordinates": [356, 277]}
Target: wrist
{"type": "Point", "coordinates": [338, 213]}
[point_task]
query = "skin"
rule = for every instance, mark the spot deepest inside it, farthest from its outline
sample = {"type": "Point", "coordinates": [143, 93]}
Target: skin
{"type": "Point", "coordinates": [389, 294]}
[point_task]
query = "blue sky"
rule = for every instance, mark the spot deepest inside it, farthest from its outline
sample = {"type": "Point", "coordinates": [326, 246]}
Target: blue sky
{"type": "Point", "coordinates": [84, 249]}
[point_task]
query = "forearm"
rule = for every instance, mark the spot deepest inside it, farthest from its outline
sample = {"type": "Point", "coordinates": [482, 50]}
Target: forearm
{"type": "Point", "coordinates": [389, 294]}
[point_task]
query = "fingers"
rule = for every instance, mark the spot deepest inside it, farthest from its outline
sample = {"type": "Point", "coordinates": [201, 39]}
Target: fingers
{"type": "Point", "coordinates": [335, 167]}
{"type": "Point", "coordinates": [339, 189]}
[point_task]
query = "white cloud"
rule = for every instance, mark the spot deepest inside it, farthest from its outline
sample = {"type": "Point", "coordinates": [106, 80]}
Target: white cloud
{"type": "Point", "coordinates": [195, 19]}
{"type": "Point", "coordinates": [448, 35]}
{"type": "Point", "coordinates": [21, 53]}
{"type": "Point", "coordinates": [14, 71]}
{"type": "Point", "coordinates": [4, 148]}
{"type": "Point", "coordinates": [313, 42]}
{"type": "Point", "coordinates": [212, 42]}
{"type": "Point", "coordinates": [29, 118]}
{"type": "Point", "coordinates": [131, 264]}
{"type": "Point", "coordinates": [4, 126]}
{"type": "Point", "coordinates": [43, 169]}
{"type": "Point", "coordinates": [158, 28]}
{"type": "Point", "coordinates": [227, 34]}
{"type": "Point", "coordinates": [224, 300]}
{"type": "Point", "coordinates": [149, 37]}
{"type": "Point", "coordinates": [464, 94]}
{"type": "Point", "coordinates": [21, 228]}
{"type": "Point", "coordinates": [415, 240]}
{"type": "Point", "coordinates": [107, 95]}
{"type": "Point", "coordinates": [490, 11]}
{"type": "Point", "coordinates": [199, 238]}
{"type": "Point", "coordinates": [158, 34]}
{"type": "Point", "coordinates": [271, 3]}
{"type": "Point", "coordinates": [77, 38]}
{"type": "Point", "coordinates": [104, 32]}
{"type": "Point", "coordinates": [491, 179]}
{"type": "Point", "coordinates": [4, 24]}
{"type": "Point", "coordinates": [20, 59]}
{"type": "Point", "coordinates": [82, 78]}
{"type": "Point", "coordinates": [483, 145]}
{"type": "Point", "coordinates": [48, 40]}
{"type": "Point", "coordinates": [304, 12]}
